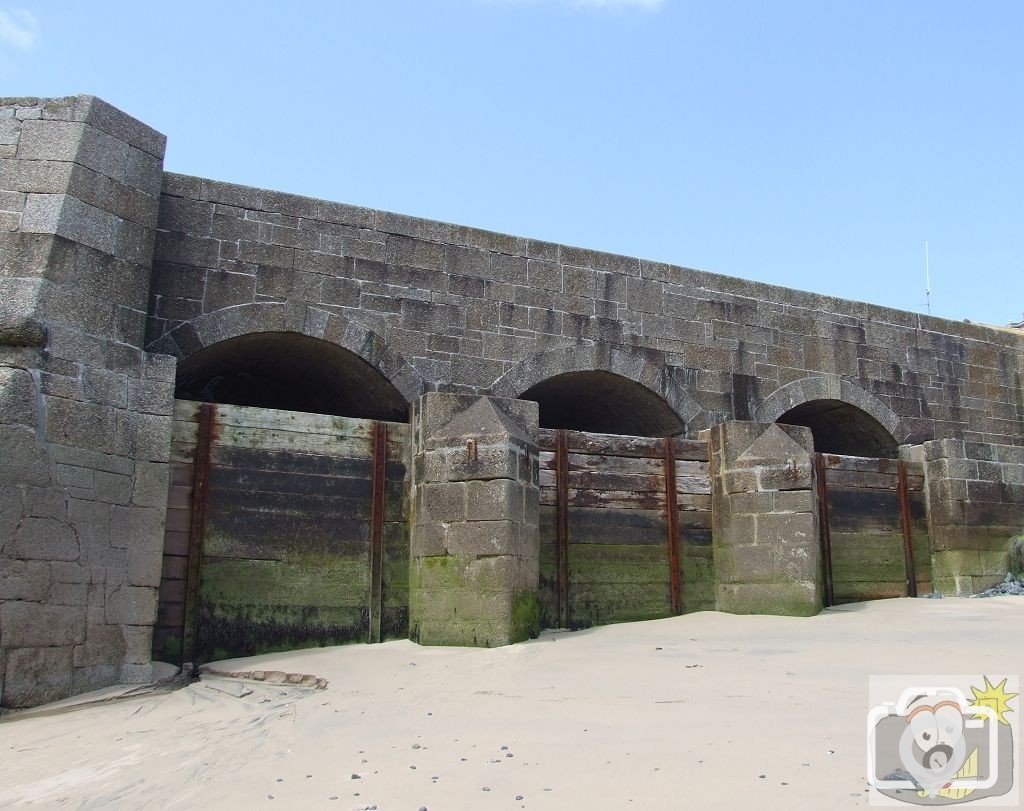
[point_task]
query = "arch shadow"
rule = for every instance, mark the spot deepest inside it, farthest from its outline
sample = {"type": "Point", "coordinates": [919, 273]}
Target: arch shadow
{"type": "Point", "coordinates": [610, 390]}
{"type": "Point", "coordinates": [291, 372]}
{"type": "Point", "coordinates": [330, 329]}
{"type": "Point", "coordinates": [844, 418]}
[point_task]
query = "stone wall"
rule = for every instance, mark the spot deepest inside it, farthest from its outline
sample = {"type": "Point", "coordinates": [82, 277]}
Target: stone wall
{"type": "Point", "coordinates": [438, 306]}
{"type": "Point", "coordinates": [84, 411]}
{"type": "Point", "coordinates": [765, 519]}
{"type": "Point", "coordinates": [975, 505]}
{"type": "Point", "coordinates": [108, 266]}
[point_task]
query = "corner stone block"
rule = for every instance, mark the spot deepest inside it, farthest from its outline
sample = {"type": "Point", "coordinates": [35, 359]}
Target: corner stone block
{"type": "Point", "coordinates": [103, 644]}
{"type": "Point", "coordinates": [131, 605]}
{"type": "Point", "coordinates": [442, 502]}
{"type": "Point", "coordinates": [482, 463]}
{"type": "Point", "coordinates": [479, 538]}
{"type": "Point", "coordinates": [494, 500]}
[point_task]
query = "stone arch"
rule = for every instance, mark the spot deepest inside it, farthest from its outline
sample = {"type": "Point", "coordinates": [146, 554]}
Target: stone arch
{"type": "Point", "coordinates": [297, 319]}
{"type": "Point", "coordinates": [645, 369]}
{"type": "Point", "coordinates": [827, 404]}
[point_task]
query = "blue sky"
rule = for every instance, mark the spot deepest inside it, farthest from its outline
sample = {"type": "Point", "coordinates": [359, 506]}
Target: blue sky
{"type": "Point", "coordinates": [816, 145]}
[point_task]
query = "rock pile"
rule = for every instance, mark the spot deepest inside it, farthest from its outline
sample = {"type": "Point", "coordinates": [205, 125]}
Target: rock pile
{"type": "Point", "coordinates": [1011, 585]}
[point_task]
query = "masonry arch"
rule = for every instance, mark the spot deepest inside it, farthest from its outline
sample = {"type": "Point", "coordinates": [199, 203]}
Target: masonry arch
{"type": "Point", "coordinates": [293, 358]}
{"type": "Point", "coordinates": [603, 403]}
{"type": "Point", "coordinates": [602, 390]}
{"type": "Point", "coordinates": [291, 372]}
{"type": "Point", "coordinates": [843, 418]}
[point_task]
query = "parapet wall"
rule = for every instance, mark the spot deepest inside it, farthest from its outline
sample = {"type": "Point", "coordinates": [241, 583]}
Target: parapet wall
{"type": "Point", "coordinates": [444, 307]}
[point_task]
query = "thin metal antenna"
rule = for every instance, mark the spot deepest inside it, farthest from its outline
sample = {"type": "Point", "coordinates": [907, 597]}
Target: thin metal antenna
{"type": "Point", "coordinates": [927, 280]}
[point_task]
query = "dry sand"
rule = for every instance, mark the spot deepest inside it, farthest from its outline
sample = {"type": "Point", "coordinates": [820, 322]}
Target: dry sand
{"type": "Point", "coordinates": [702, 711]}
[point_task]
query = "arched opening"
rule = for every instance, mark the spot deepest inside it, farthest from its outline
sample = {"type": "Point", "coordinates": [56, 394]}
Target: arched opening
{"type": "Point", "coordinates": [604, 403]}
{"type": "Point", "coordinates": [842, 428]}
{"type": "Point", "coordinates": [289, 371]}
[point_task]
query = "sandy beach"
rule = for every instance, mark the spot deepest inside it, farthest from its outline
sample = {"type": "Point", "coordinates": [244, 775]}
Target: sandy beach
{"type": "Point", "coordinates": [705, 710]}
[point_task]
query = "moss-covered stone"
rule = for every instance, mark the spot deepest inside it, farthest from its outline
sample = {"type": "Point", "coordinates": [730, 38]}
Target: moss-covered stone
{"type": "Point", "coordinates": [968, 571]}
{"type": "Point", "coordinates": [464, 600]}
{"type": "Point", "coordinates": [258, 606]}
{"type": "Point", "coordinates": [308, 580]}
{"type": "Point", "coordinates": [1016, 556]}
{"type": "Point", "coordinates": [228, 631]}
{"type": "Point", "coordinates": [783, 599]}
{"type": "Point", "coordinates": [170, 650]}
{"type": "Point", "coordinates": [525, 616]}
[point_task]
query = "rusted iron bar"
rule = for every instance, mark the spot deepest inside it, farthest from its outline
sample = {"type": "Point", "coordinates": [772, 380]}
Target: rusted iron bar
{"type": "Point", "coordinates": [672, 525]}
{"type": "Point", "coordinates": [562, 525]}
{"type": "Point", "coordinates": [380, 449]}
{"type": "Point", "coordinates": [197, 526]}
{"type": "Point", "coordinates": [908, 533]}
{"type": "Point", "coordinates": [824, 531]}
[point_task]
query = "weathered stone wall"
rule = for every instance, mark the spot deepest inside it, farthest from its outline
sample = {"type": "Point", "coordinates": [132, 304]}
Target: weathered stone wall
{"type": "Point", "coordinates": [84, 411]}
{"type": "Point", "coordinates": [765, 519]}
{"type": "Point", "coordinates": [438, 306]}
{"type": "Point", "coordinates": [975, 505]}
{"type": "Point", "coordinates": [474, 541]}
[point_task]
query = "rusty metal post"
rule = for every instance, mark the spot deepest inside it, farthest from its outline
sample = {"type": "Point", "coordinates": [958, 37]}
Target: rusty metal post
{"type": "Point", "coordinates": [908, 533]}
{"type": "Point", "coordinates": [824, 530]}
{"type": "Point", "coordinates": [197, 527]}
{"type": "Point", "coordinates": [562, 525]}
{"type": "Point", "coordinates": [380, 451]}
{"type": "Point", "coordinates": [672, 526]}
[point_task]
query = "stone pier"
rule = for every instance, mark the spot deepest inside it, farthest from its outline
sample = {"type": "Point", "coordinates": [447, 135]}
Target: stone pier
{"type": "Point", "coordinates": [84, 411]}
{"type": "Point", "coordinates": [765, 527]}
{"type": "Point", "coordinates": [975, 505]}
{"type": "Point", "coordinates": [474, 533]}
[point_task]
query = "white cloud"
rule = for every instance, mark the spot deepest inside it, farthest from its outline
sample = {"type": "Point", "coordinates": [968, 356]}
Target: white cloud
{"type": "Point", "coordinates": [18, 28]}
